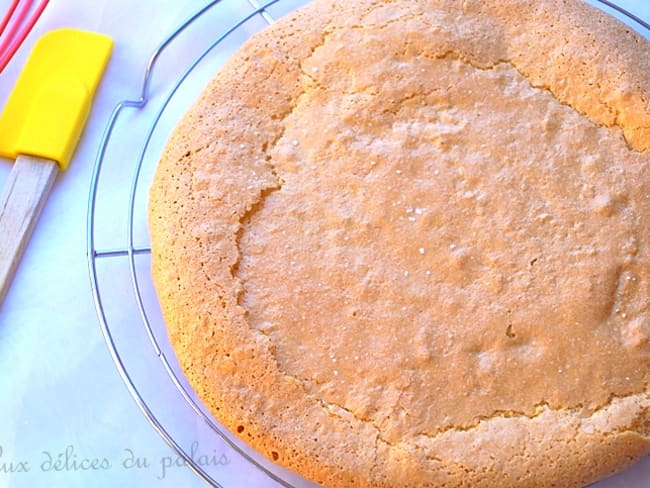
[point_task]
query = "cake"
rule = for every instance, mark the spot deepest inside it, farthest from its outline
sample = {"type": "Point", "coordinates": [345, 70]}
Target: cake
{"type": "Point", "coordinates": [407, 243]}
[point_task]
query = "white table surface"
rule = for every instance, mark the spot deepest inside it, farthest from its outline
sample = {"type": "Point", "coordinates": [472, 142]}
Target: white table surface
{"type": "Point", "coordinates": [59, 389]}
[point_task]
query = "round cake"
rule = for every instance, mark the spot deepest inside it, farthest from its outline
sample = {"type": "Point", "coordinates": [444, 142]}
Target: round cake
{"type": "Point", "coordinates": [407, 243]}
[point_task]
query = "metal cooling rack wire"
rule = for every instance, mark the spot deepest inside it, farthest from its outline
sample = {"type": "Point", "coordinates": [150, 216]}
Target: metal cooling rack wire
{"type": "Point", "coordinates": [626, 13]}
{"type": "Point", "coordinates": [131, 251]}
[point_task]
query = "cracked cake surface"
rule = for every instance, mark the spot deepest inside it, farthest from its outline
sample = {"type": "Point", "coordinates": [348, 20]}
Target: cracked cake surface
{"type": "Point", "coordinates": [406, 243]}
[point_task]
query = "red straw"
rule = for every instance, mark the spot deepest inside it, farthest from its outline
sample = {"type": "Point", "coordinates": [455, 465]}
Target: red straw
{"type": "Point", "coordinates": [10, 12]}
{"type": "Point", "coordinates": [19, 30]}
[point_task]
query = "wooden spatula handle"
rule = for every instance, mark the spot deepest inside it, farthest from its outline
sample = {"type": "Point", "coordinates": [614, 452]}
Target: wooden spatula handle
{"type": "Point", "coordinates": [22, 200]}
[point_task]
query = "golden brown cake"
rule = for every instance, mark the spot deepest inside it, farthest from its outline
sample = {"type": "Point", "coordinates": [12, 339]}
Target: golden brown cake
{"type": "Point", "coordinates": [407, 243]}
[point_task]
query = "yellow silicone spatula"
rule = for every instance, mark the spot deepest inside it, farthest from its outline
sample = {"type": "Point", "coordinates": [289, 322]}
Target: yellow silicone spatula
{"type": "Point", "coordinates": [39, 128]}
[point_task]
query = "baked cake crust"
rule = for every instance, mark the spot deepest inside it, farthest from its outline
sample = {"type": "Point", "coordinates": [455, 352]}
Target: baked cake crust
{"type": "Point", "coordinates": [406, 243]}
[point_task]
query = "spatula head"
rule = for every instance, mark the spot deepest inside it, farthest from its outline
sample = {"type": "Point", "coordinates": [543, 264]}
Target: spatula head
{"type": "Point", "coordinates": [49, 105]}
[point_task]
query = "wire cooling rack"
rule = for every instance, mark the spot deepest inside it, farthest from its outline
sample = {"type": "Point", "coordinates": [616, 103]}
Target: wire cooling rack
{"type": "Point", "coordinates": [118, 241]}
